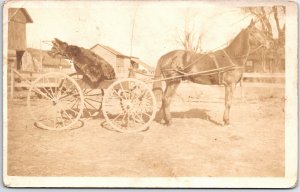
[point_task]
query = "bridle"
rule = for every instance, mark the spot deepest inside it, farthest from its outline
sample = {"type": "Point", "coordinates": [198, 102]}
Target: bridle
{"type": "Point", "coordinates": [263, 43]}
{"type": "Point", "coordinates": [254, 49]}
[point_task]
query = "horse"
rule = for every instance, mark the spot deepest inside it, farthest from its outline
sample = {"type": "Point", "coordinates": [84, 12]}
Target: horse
{"type": "Point", "coordinates": [222, 67]}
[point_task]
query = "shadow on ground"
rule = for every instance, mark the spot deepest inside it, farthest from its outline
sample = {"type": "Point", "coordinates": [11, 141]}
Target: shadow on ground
{"type": "Point", "coordinates": [193, 113]}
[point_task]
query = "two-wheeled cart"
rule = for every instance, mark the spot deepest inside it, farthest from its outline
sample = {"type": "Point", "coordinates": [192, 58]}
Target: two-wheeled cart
{"type": "Point", "coordinates": [128, 104]}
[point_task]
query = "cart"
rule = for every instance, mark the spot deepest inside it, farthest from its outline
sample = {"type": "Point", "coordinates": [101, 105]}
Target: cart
{"type": "Point", "coordinates": [128, 105]}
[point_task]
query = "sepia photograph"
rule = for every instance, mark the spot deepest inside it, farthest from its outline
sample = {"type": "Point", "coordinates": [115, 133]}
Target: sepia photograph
{"type": "Point", "coordinates": [168, 94]}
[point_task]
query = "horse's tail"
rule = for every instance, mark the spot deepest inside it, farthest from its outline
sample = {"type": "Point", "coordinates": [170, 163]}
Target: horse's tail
{"type": "Point", "coordinates": [157, 85]}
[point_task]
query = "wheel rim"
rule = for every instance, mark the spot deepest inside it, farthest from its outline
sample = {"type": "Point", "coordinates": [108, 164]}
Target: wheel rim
{"type": "Point", "coordinates": [129, 105]}
{"type": "Point", "coordinates": [92, 101]}
{"type": "Point", "coordinates": [92, 98]}
{"type": "Point", "coordinates": [57, 103]}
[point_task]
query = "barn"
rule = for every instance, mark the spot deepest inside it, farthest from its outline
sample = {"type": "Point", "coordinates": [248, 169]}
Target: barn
{"type": "Point", "coordinates": [119, 61]}
{"type": "Point", "coordinates": [17, 20]}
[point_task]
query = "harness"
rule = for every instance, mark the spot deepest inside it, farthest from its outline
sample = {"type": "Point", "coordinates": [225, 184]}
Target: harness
{"type": "Point", "coordinates": [213, 57]}
{"type": "Point", "coordinates": [218, 70]}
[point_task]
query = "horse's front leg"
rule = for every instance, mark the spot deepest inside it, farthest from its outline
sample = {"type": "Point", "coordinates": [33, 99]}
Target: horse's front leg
{"type": "Point", "coordinates": [166, 101]}
{"type": "Point", "coordinates": [229, 90]}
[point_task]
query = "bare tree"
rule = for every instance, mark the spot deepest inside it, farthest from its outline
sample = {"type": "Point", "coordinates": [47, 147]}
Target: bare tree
{"type": "Point", "coordinates": [265, 15]}
{"type": "Point", "coordinates": [269, 19]}
{"type": "Point", "coordinates": [191, 41]}
{"type": "Point", "coordinates": [190, 38]}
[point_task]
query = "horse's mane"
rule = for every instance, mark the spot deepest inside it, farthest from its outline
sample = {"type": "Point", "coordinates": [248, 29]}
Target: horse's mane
{"type": "Point", "coordinates": [239, 45]}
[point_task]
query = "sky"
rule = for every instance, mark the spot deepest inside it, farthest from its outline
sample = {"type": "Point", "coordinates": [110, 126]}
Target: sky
{"type": "Point", "coordinates": [146, 30]}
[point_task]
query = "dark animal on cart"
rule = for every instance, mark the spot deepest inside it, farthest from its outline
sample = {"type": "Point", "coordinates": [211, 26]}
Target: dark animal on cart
{"type": "Point", "coordinates": [222, 67]}
{"type": "Point", "coordinates": [93, 68]}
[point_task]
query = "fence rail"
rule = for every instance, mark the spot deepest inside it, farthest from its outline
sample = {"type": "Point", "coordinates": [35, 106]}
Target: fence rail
{"type": "Point", "coordinates": [23, 79]}
{"type": "Point", "coordinates": [278, 85]}
{"type": "Point", "coordinates": [264, 75]}
{"type": "Point", "coordinates": [273, 76]}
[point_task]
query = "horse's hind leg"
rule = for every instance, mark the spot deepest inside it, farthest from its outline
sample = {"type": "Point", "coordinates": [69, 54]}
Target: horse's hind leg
{"type": "Point", "coordinates": [166, 101]}
{"type": "Point", "coordinates": [229, 90]}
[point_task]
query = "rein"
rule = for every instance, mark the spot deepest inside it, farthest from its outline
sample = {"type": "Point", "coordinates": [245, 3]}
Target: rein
{"type": "Point", "coordinates": [207, 72]}
{"type": "Point", "coordinates": [147, 75]}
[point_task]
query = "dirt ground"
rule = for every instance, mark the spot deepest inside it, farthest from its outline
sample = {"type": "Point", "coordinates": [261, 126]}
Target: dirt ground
{"type": "Point", "coordinates": [195, 145]}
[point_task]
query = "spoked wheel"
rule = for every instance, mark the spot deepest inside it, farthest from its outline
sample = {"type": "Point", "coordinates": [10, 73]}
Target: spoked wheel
{"type": "Point", "coordinates": [92, 101]}
{"type": "Point", "coordinates": [129, 105]}
{"type": "Point", "coordinates": [55, 101]}
{"type": "Point", "coordinates": [92, 97]}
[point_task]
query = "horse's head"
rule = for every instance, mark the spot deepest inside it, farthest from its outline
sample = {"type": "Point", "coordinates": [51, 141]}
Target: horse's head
{"type": "Point", "coordinates": [258, 37]}
{"type": "Point", "coordinates": [59, 47]}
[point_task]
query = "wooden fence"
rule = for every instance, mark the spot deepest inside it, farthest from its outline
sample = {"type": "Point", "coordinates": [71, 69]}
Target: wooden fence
{"type": "Point", "coordinates": [23, 79]}
{"type": "Point", "coordinates": [274, 80]}
{"type": "Point", "coordinates": [250, 80]}
{"type": "Point", "coordinates": [270, 76]}
{"type": "Point", "coordinates": [253, 86]}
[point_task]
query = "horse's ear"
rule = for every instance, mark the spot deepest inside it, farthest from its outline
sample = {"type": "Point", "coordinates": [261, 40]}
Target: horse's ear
{"type": "Point", "coordinates": [252, 23]}
{"type": "Point", "coordinates": [57, 41]}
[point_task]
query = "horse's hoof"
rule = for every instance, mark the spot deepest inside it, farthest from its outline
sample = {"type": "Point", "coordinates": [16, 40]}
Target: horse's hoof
{"type": "Point", "coordinates": [226, 121]}
{"type": "Point", "coordinates": [158, 117]}
{"type": "Point", "coordinates": [159, 120]}
{"type": "Point", "coordinates": [168, 124]}
{"type": "Point", "coordinates": [226, 124]}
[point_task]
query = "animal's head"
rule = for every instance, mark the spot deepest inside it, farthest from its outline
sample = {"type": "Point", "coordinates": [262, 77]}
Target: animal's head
{"type": "Point", "coordinates": [258, 37]}
{"type": "Point", "coordinates": [59, 47]}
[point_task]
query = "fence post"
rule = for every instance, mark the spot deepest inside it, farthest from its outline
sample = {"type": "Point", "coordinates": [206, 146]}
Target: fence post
{"type": "Point", "coordinates": [12, 79]}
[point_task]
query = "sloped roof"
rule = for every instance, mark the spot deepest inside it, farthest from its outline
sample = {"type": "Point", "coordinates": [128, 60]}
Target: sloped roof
{"type": "Point", "coordinates": [47, 59]}
{"type": "Point", "coordinates": [13, 12]}
{"type": "Point", "coordinates": [117, 53]}
{"type": "Point", "coordinates": [137, 60]}
{"type": "Point", "coordinates": [113, 51]}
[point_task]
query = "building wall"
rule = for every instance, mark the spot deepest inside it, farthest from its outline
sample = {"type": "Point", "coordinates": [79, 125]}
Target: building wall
{"type": "Point", "coordinates": [120, 64]}
{"type": "Point", "coordinates": [30, 64]}
{"type": "Point", "coordinates": [126, 64]}
{"type": "Point", "coordinates": [106, 55]}
{"type": "Point", "coordinates": [16, 30]}
{"type": "Point", "coordinates": [122, 67]}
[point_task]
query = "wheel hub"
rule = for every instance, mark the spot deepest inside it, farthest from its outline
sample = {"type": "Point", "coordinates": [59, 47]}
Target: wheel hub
{"type": "Point", "coordinates": [128, 104]}
{"type": "Point", "coordinates": [54, 101]}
